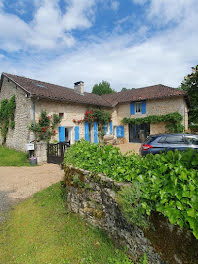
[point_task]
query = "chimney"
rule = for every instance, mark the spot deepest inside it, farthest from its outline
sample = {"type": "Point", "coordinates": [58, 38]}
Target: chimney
{"type": "Point", "coordinates": [79, 87]}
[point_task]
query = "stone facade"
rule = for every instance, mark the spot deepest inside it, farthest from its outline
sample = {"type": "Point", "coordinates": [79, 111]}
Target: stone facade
{"type": "Point", "coordinates": [94, 197]}
{"type": "Point", "coordinates": [154, 107]}
{"type": "Point", "coordinates": [18, 137]}
{"type": "Point", "coordinates": [21, 135]}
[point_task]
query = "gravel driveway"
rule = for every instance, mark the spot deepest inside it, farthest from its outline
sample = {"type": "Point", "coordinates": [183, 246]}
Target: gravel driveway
{"type": "Point", "coordinates": [18, 183]}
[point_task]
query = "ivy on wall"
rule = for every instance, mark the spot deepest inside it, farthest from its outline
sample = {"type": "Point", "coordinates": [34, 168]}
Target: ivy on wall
{"type": "Point", "coordinates": [173, 121]}
{"type": "Point", "coordinates": [7, 115]}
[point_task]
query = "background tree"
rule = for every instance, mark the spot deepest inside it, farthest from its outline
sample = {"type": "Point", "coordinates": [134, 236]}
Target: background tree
{"type": "Point", "coordinates": [102, 88]}
{"type": "Point", "coordinates": [190, 85]}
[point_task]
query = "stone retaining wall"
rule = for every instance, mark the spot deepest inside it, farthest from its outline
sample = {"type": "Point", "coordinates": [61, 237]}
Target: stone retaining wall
{"type": "Point", "coordinates": [94, 197]}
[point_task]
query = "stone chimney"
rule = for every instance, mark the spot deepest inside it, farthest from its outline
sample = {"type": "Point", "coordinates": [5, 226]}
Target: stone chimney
{"type": "Point", "coordinates": [79, 87]}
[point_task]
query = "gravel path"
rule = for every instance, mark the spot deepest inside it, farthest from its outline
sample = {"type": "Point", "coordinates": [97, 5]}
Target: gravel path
{"type": "Point", "coordinates": [128, 147]}
{"type": "Point", "coordinates": [18, 183]}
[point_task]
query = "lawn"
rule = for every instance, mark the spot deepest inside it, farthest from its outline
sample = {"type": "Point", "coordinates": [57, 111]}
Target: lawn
{"type": "Point", "coordinates": [11, 157]}
{"type": "Point", "coordinates": [40, 230]}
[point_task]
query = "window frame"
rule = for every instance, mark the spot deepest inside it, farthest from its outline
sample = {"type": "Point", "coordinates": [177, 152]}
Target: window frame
{"type": "Point", "coordinates": [135, 108]}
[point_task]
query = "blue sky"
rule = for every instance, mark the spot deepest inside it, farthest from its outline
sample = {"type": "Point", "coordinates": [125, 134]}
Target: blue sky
{"type": "Point", "coordinates": [130, 43]}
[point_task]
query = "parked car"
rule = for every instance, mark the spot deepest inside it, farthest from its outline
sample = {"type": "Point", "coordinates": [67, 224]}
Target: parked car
{"type": "Point", "coordinates": [164, 142]}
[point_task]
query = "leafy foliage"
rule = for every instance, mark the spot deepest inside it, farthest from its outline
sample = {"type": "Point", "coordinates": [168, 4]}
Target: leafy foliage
{"type": "Point", "coordinates": [190, 85]}
{"type": "Point", "coordinates": [168, 183]}
{"type": "Point", "coordinates": [7, 114]}
{"type": "Point", "coordinates": [102, 88]}
{"type": "Point", "coordinates": [45, 127]}
{"type": "Point", "coordinates": [173, 121]}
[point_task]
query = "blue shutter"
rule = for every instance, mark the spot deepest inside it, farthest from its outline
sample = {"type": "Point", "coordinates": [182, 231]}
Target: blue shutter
{"type": "Point", "coordinates": [87, 131]}
{"type": "Point", "coordinates": [95, 132]}
{"type": "Point", "coordinates": [120, 131]}
{"type": "Point", "coordinates": [76, 133]}
{"type": "Point", "coordinates": [61, 134]}
{"type": "Point", "coordinates": [132, 108]}
{"type": "Point", "coordinates": [105, 128]}
{"type": "Point", "coordinates": [111, 128]}
{"type": "Point", "coordinates": [143, 107]}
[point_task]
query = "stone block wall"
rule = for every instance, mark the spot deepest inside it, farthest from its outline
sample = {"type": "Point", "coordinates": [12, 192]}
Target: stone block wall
{"type": "Point", "coordinates": [20, 135]}
{"type": "Point", "coordinates": [94, 198]}
{"type": "Point", "coordinates": [41, 152]}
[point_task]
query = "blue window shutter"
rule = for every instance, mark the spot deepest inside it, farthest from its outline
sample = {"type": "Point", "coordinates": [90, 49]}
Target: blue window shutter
{"type": "Point", "coordinates": [76, 133]}
{"type": "Point", "coordinates": [105, 128]}
{"type": "Point", "coordinates": [87, 131]}
{"type": "Point", "coordinates": [111, 128]}
{"type": "Point", "coordinates": [95, 132]}
{"type": "Point", "coordinates": [120, 131]}
{"type": "Point", "coordinates": [143, 107]}
{"type": "Point", "coordinates": [61, 134]}
{"type": "Point", "coordinates": [132, 108]}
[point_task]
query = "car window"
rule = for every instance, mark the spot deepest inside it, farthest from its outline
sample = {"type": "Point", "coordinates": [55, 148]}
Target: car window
{"type": "Point", "coordinates": [175, 140]}
{"type": "Point", "coordinates": [192, 140]}
{"type": "Point", "coordinates": [162, 140]}
{"type": "Point", "coordinates": [149, 140]}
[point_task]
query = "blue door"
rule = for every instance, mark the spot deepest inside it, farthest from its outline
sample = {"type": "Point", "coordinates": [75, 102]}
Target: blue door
{"type": "Point", "coordinates": [76, 133]}
{"type": "Point", "coordinates": [95, 132]}
{"type": "Point", "coordinates": [61, 134]}
{"type": "Point", "coordinates": [86, 131]}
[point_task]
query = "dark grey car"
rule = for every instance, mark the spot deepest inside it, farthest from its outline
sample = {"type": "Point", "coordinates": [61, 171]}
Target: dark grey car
{"type": "Point", "coordinates": [165, 142]}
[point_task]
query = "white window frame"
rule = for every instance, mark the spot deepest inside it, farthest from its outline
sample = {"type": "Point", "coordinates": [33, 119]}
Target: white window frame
{"type": "Point", "coordinates": [138, 106]}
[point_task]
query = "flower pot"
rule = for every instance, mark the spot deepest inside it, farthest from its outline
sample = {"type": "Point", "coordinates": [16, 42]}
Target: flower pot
{"type": "Point", "coordinates": [33, 161]}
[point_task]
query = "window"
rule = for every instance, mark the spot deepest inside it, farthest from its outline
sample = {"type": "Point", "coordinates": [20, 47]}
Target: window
{"type": "Point", "coordinates": [192, 140]}
{"type": "Point", "coordinates": [138, 108]}
{"type": "Point", "coordinates": [61, 115]}
{"type": "Point", "coordinates": [175, 140]}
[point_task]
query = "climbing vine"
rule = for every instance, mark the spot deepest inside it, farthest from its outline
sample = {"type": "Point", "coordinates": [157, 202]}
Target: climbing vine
{"type": "Point", "coordinates": [173, 121]}
{"type": "Point", "coordinates": [45, 127]}
{"type": "Point", "coordinates": [102, 117]}
{"type": "Point", "coordinates": [7, 115]}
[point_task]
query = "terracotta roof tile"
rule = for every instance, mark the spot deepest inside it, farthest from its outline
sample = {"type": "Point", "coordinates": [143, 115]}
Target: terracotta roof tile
{"type": "Point", "coordinates": [150, 92]}
{"type": "Point", "coordinates": [60, 93]}
{"type": "Point", "coordinates": [56, 92]}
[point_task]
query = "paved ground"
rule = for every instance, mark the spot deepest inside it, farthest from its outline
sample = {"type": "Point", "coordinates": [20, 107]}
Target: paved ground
{"type": "Point", "coordinates": [129, 146]}
{"type": "Point", "coordinates": [18, 183]}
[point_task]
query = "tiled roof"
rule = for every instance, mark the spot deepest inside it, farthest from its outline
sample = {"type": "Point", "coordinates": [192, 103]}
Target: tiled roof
{"type": "Point", "coordinates": [150, 92]}
{"type": "Point", "coordinates": [60, 93]}
{"type": "Point", "coordinates": [56, 92]}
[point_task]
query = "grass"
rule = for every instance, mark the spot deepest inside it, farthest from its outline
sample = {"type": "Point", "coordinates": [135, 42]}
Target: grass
{"type": "Point", "coordinates": [40, 230]}
{"type": "Point", "coordinates": [11, 157]}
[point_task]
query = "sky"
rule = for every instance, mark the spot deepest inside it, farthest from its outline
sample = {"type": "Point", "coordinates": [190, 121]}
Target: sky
{"type": "Point", "coordinates": [129, 43]}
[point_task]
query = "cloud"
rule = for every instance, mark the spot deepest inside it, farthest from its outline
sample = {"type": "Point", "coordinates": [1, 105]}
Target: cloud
{"type": "Point", "coordinates": [140, 2]}
{"type": "Point", "coordinates": [115, 5]}
{"type": "Point", "coordinates": [2, 56]}
{"type": "Point", "coordinates": [134, 59]}
{"type": "Point", "coordinates": [49, 28]}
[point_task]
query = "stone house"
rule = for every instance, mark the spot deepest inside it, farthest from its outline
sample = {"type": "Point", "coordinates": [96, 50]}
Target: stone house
{"type": "Point", "coordinates": [32, 96]}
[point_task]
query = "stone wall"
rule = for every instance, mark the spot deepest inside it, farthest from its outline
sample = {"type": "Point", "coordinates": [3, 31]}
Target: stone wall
{"type": "Point", "coordinates": [94, 198]}
{"type": "Point", "coordinates": [20, 135]}
{"type": "Point", "coordinates": [41, 152]}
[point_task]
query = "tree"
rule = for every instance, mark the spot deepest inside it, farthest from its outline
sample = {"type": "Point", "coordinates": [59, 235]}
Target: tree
{"type": "Point", "coordinates": [190, 85]}
{"type": "Point", "coordinates": [102, 88]}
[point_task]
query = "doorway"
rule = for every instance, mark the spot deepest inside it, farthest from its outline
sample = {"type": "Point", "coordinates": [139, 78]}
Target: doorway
{"type": "Point", "coordinates": [138, 132]}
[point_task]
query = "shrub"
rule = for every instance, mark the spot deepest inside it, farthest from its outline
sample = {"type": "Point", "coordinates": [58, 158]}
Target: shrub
{"type": "Point", "coordinates": [168, 183]}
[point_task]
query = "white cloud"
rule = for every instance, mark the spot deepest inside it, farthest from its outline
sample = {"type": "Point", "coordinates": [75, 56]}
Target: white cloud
{"type": "Point", "coordinates": [140, 2]}
{"type": "Point", "coordinates": [125, 60]}
{"type": "Point", "coordinates": [171, 10]}
{"type": "Point", "coordinates": [115, 5]}
{"type": "Point", "coordinates": [49, 28]}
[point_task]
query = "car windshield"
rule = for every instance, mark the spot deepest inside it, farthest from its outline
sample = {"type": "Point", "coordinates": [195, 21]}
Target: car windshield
{"type": "Point", "coordinates": [192, 140]}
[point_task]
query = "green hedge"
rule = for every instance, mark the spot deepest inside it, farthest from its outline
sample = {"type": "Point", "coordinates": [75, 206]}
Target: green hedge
{"type": "Point", "coordinates": [168, 183]}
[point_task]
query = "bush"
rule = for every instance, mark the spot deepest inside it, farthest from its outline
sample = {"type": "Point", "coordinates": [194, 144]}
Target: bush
{"type": "Point", "coordinates": [168, 183]}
